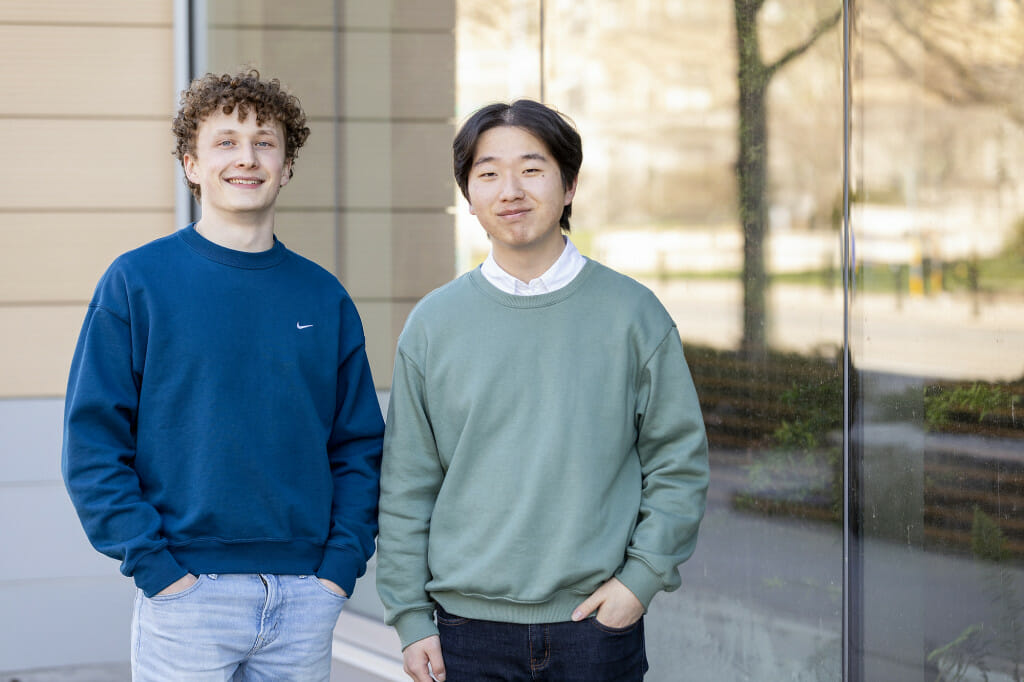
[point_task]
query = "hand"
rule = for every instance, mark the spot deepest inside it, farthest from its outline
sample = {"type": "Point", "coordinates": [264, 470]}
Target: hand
{"type": "Point", "coordinates": [333, 587]}
{"type": "Point", "coordinates": [616, 606]}
{"type": "Point", "coordinates": [180, 585]}
{"type": "Point", "coordinates": [418, 654]}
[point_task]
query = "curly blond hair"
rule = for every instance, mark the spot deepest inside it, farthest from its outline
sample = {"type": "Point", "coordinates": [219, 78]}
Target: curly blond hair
{"type": "Point", "coordinates": [244, 91]}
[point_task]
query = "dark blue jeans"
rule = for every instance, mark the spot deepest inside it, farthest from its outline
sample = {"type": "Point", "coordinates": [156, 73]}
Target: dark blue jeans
{"type": "Point", "coordinates": [481, 650]}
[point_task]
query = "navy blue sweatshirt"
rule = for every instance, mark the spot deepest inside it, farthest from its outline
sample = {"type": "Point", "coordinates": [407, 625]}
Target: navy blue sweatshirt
{"type": "Point", "coordinates": [221, 417]}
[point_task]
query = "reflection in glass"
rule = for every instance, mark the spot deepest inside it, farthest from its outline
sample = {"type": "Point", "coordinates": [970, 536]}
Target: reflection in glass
{"type": "Point", "coordinates": [937, 339]}
{"type": "Point", "coordinates": [749, 267]}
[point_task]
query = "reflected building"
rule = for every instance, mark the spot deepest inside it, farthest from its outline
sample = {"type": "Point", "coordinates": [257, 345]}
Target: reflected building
{"type": "Point", "coordinates": [866, 512]}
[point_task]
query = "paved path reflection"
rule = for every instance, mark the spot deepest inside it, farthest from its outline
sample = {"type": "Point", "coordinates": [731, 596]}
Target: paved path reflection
{"type": "Point", "coordinates": [762, 599]}
{"type": "Point", "coordinates": [945, 336]}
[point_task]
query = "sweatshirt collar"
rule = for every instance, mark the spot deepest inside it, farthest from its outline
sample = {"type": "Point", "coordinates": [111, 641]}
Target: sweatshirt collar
{"type": "Point", "coordinates": [236, 259]}
{"type": "Point", "coordinates": [561, 272]}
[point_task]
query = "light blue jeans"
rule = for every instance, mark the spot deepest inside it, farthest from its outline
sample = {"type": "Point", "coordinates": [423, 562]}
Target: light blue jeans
{"type": "Point", "coordinates": [236, 627]}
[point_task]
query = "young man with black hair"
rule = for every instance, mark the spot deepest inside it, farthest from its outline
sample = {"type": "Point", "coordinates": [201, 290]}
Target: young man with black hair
{"type": "Point", "coordinates": [222, 432]}
{"type": "Point", "coordinates": [545, 461]}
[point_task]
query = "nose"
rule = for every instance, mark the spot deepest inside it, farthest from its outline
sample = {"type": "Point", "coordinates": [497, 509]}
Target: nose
{"type": "Point", "coordinates": [247, 157]}
{"type": "Point", "coordinates": [511, 188]}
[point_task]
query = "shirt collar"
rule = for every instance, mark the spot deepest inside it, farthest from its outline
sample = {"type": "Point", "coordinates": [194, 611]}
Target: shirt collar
{"type": "Point", "coordinates": [563, 271]}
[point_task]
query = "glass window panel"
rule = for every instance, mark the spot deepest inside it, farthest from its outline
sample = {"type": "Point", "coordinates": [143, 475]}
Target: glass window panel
{"type": "Point", "coordinates": [653, 88]}
{"type": "Point", "coordinates": [937, 339]}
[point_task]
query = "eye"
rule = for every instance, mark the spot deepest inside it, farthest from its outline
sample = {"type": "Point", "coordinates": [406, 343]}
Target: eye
{"type": "Point", "coordinates": [225, 143]}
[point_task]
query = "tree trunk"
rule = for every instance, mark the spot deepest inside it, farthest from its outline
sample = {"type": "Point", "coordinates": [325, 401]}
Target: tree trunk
{"type": "Point", "coordinates": [751, 170]}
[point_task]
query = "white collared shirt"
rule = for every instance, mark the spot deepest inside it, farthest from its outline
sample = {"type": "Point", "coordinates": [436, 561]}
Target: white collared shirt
{"type": "Point", "coordinates": [563, 271]}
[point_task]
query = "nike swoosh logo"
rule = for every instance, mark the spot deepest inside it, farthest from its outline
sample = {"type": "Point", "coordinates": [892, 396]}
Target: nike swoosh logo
{"type": "Point", "coordinates": [302, 326]}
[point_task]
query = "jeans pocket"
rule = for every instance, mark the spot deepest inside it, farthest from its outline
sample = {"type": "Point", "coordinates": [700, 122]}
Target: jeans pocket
{"type": "Point", "coordinates": [609, 630]}
{"type": "Point", "coordinates": [324, 588]}
{"type": "Point", "coordinates": [191, 589]}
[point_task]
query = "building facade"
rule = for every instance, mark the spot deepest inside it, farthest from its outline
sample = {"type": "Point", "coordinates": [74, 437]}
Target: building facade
{"type": "Point", "coordinates": [827, 196]}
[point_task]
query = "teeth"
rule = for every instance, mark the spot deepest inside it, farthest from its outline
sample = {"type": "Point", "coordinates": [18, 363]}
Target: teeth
{"type": "Point", "coordinates": [244, 182]}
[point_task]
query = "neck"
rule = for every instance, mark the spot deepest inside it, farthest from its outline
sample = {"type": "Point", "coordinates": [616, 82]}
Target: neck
{"type": "Point", "coordinates": [251, 237]}
{"type": "Point", "coordinates": [528, 264]}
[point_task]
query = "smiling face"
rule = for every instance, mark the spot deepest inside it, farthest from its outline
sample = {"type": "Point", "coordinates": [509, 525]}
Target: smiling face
{"type": "Point", "coordinates": [515, 190]}
{"type": "Point", "coordinates": [239, 166]}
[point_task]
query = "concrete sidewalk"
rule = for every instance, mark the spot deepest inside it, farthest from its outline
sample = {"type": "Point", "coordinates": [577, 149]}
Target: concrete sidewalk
{"type": "Point", "coordinates": [104, 672]}
{"type": "Point", "coordinates": [121, 672]}
{"type": "Point", "coordinates": [361, 644]}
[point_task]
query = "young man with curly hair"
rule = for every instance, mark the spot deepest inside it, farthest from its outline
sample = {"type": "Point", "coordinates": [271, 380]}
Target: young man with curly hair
{"type": "Point", "coordinates": [545, 461]}
{"type": "Point", "coordinates": [222, 433]}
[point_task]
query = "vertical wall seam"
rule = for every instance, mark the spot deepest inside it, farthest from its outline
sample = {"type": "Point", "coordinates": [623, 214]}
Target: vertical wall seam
{"type": "Point", "coordinates": [336, 84]}
{"type": "Point", "coordinates": [183, 70]}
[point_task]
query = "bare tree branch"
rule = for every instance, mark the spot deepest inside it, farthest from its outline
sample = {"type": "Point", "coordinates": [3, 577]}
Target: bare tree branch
{"type": "Point", "coordinates": [964, 85]}
{"type": "Point", "coordinates": [823, 27]}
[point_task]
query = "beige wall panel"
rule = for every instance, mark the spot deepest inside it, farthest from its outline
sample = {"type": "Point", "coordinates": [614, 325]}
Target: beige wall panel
{"type": "Point", "coordinates": [310, 234]}
{"type": "Point", "coordinates": [361, 14]}
{"type": "Point", "coordinates": [427, 183]}
{"type": "Point", "coordinates": [383, 323]}
{"type": "Point", "coordinates": [303, 60]}
{"type": "Point", "coordinates": [92, 12]}
{"type": "Point", "coordinates": [366, 64]}
{"type": "Point", "coordinates": [61, 256]}
{"type": "Point", "coordinates": [423, 74]}
{"type": "Point", "coordinates": [367, 254]}
{"type": "Point", "coordinates": [423, 253]}
{"type": "Point", "coordinates": [36, 349]}
{"type": "Point", "coordinates": [312, 186]}
{"type": "Point", "coordinates": [401, 165]}
{"type": "Point", "coordinates": [87, 164]}
{"type": "Point", "coordinates": [273, 12]}
{"type": "Point", "coordinates": [378, 326]}
{"type": "Point", "coordinates": [365, 154]}
{"type": "Point", "coordinates": [415, 14]}
{"type": "Point", "coordinates": [399, 313]}
{"type": "Point", "coordinates": [402, 75]}
{"type": "Point", "coordinates": [423, 14]}
{"type": "Point", "coordinates": [87, 71]}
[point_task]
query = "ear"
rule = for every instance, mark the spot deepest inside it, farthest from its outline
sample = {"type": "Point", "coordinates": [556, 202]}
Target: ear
{"type": "Point", "coordinates": [571, 192]}
{"type": "Point", "coordinates": [188, 164]}
{"type": "Point", "coordinates": [286, 174]}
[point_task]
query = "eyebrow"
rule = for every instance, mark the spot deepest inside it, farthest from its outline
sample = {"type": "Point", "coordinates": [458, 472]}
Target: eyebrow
{"type": "Point", "coordinates": [233, 131]}
{"type": "Point", "coordinates": [534, 156]}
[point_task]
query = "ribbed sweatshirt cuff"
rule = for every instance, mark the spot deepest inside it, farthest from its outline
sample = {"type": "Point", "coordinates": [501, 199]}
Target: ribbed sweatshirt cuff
{"type": "Point", "coordinates": [414, 626]}
{"type": "Point", "coordinates": [156, 571]}
{"type": "Point", "coordinates": [342, 567]}
{"type": "Point", "coordinates": [641, 580]}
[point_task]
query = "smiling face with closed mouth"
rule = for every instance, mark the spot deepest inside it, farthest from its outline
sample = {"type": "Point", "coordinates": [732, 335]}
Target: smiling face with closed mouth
{"type": "Point", "coordinates": [516, 192]}
{"type": "Point", "coordinates": [239, 166]}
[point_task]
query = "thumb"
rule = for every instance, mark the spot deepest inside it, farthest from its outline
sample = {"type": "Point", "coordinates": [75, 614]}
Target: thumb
{"type": "Point", "coordinates": [588, 606]}
{"type": "Point", "coordinates": [437, 665]}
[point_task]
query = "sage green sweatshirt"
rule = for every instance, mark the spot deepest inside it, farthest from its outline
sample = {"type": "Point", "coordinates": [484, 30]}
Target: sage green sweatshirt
{"type": "Point", "coordinates": [535, 447]}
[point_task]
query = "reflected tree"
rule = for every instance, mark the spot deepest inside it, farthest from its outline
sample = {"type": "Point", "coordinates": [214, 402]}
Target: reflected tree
{"type": "Point", "coordinates": [753, 77]}
{"type": "Point", "coordinates": [976, 68]}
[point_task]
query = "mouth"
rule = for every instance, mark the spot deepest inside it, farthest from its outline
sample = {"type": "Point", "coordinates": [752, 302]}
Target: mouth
{"type": "Point", "coordinates": [513, 213]}
{"type": "Point", "coordinates": [245, 182]}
